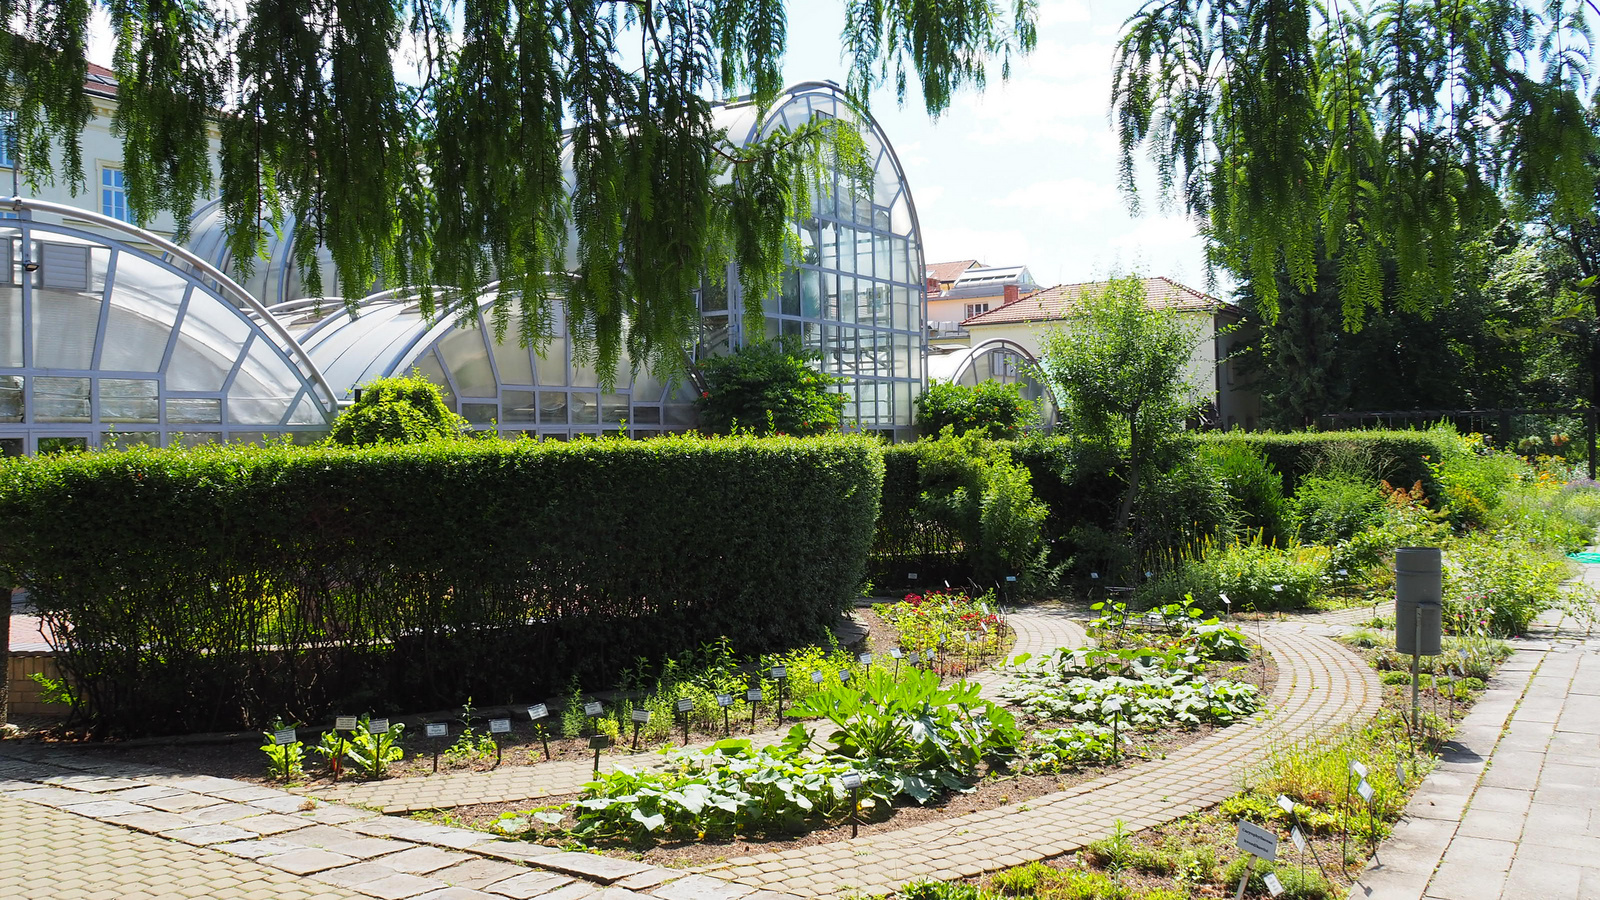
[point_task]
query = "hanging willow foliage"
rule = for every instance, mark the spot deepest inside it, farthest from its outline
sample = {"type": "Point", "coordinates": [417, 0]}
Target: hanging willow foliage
{"type": "Point", "coordinates": [1370, 134]}
{"type": "Point", "coordinates": [546, 136]}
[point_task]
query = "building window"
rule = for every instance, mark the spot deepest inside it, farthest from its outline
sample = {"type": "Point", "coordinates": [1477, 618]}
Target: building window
{"type": "Point", "coordinates": [976, 309]}
{"type": "Point", "coordinates": [6, 121]}
{"type": "Point", "coordinates": [114, 194]}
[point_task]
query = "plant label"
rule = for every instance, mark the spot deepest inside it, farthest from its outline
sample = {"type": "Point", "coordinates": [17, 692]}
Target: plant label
{"type": "Point", "coordinates": [851, 781]}
{"type": "Point", "coordinates": [1298, 838]}
{"type": "Point", "coordinates": [538, 711]}
{"type": "Point", "coordinates": [599, 742]}
{"type": "Point", "coordinates": [1365, 790]}
{"type": "Point", "coordinates": [344, 723]}
{"type": "Point", "coordinates": [1400, 772]}
{"type": "Point", "coordinates": [1011, 578]}
{"type": "Point", "coordinates": [816, 677]}
{"type": "Point", "coordinates": [378, 726]}
{"type": "Point", "coordinates": [1344, 572]}
{"type": "Point", "coordinates": [499, 726]}
{"type": "Point", "coordinates": [437, 729]}
{"type": "Point", "coordinates": [865, 659]}
{"type": "Point", "coordinates": [1285, 804]}
{"type": "Point", "coordinates": [753, 695]}
{"type": "Point", "coordinates": [1274, 886]}
{"type": "Point", "coordinates": [1257, 841]}
{"type": "Point", "coordinates": [1149, 575]}
{"type": "Point", "coordinates": [1358, 767]}
{"type": "Point", "coordinates": [685, 705]}
{"type": "Point", "coordinates": [1277, 589]}
{"type": "Point", "coordinates": [642, 716]}
{"type": "Point", "coordinates": [911, 576]}
{"type": "Point", "coordinates": [779, 673]}
{"type": "Point", "coordinates": [1095, 576]}
{"type": "Point", "coordinates": [593, 708]}
{"type": "Point", "coordinates": [1225, 601]}
{"type": "Point", "coordinates": [724, 700]}
{"type": "Point", "coordinates": [844, 676]}
{"type": "Point", "coordinates": [895, 653]}
{"type": "Point", "coordinates": [283, 736]}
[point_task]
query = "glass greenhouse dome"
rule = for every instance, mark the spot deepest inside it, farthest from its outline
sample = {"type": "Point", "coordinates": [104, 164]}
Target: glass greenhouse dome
{"type": "Point", "coordinates": [117, 336]}
{"type": "Point", "coordinates": [103, 343]}
{"type": "Point", "coordinates": [856, 296]}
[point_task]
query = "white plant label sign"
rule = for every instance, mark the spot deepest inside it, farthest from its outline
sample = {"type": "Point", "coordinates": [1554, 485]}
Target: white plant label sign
{"type": "Point", "coordinates": [283, 736]}
{"type": "Point", "coordinates": [499, 726]}
{"type": "Point", "coordinates": [1274, 886]}
{"type": "Point", "coordinates": [437, 729]}
{"type": "Point", "coordinates": [593, 708]}
{"type": "Point", "coordinates": [538, 711]}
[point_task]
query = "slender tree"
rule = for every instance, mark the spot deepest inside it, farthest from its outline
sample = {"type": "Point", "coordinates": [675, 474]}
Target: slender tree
{"type": "Point", "coordinates": [532, 119]}
{"type": "Point", "coordinates": [1118, 368]}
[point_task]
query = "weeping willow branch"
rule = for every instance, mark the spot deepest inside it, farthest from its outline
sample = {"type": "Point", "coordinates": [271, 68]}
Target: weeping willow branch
{"type": "Point", "coordinates": [1371, 135]}
{"type": "Point", "coordinates": [527, 148]}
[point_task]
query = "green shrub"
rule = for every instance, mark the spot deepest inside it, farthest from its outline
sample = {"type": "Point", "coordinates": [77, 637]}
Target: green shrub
{"type": "Point", "coordinates": [1500, 585]}
{"type": "Point", "coordinates": [397, 410]}
{"type": "Point", "coordinates": [771, 387]}
{"type": "Point", "coordinates": [1331, 508]}
{"type": "Point", "coordinates": [994, 410]}
{"type": "Point", "coordinates": [972, 502]}
{"type": "Point", "coordinates": [1254, 577]}
{"type": "Point", "coordinates": [192, 590]}
{"type": "Point", "coordinates": [1254, 488]}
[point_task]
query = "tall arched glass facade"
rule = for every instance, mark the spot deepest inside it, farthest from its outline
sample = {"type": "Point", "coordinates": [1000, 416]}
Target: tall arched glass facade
{"type": "Point", "coordinates": [857, 293]}
{"type": "Point", "coordinates": [104, 344]}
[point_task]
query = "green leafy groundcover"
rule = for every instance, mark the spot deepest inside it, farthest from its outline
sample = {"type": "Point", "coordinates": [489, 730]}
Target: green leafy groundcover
{"type": "Point", "coordinates": [222, 587]}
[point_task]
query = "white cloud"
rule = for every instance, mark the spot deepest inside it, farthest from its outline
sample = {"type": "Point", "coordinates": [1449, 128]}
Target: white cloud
{"type": "Point", "coordinates": [1070, 199]}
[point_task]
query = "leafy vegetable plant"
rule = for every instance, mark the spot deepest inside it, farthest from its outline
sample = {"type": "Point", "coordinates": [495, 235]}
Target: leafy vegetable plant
{"type": "Point", "coordinates": [372, 753]}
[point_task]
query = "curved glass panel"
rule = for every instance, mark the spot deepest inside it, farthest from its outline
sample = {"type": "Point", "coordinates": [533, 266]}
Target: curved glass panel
{"type": "Point", "coordinates": [107, 345]}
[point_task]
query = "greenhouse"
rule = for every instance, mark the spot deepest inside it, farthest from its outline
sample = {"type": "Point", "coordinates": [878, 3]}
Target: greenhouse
{"type": "Point", "coordinates": [110, 335]}
{"type": "Point", "coordinates": [103, 343]}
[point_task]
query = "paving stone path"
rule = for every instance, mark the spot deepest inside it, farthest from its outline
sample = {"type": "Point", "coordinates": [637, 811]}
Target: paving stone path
{"type": "Point", "coordinates": [1321, 685]}
{"type": "Point", "coordinates": [1513, 810]}
{"type": "Point", "coordinates": [96, 828]}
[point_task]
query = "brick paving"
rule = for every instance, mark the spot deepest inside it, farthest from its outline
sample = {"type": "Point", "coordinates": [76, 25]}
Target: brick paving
{"type": "Point", "coordinates": [1320, 686]}
{"type": "Point", "coordinates": [207, 836]}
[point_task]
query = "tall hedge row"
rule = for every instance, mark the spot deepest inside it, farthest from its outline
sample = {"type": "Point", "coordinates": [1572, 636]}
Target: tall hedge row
{"type": "Point", "coordinates": [221, 587]}
{"type": "Point", "coordinates": [1400, 457]}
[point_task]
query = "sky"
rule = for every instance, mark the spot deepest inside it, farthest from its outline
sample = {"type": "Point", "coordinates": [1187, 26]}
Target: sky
{"type": "Point", "coordinates": [1024, 173]}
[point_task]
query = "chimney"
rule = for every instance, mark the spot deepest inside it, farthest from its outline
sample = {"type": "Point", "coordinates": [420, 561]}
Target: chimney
{"type": "Point", "coordinates": [1013, 293]}
{"type": "Point", "coordinates": [933, 287]}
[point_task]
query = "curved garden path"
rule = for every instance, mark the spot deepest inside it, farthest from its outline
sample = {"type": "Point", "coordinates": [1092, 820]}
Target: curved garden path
{"type": "Point", "coordinates": [341, 850]}
{"type": "Point", "coordinates": [1321, 685]}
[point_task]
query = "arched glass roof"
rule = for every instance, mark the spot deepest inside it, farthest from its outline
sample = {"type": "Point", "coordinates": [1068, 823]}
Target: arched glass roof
{"type": "Point", "coordinates": [856, 296]}
{"type": "Point", "coordinates": [273, 280]}
{"type": "Point", "coordinates": [103, 343]}
{"type": "Point", "coordinates": [494, 383]}
{"type": "Point", "coordinates": [999, 360]}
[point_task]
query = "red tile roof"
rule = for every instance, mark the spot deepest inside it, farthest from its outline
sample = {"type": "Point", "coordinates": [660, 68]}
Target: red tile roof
{"type": "Point", "coordinates": [101, 81]}
{"type": "Point", "coordinates": [950, 271]}
{"type": "Point", "coordinates": [1052, 304]}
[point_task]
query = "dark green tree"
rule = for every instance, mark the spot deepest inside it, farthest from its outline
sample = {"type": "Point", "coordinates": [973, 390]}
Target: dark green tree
{"type": "Point", "coordinates": [770, 387]}
{"type": "Point", "coordinates": [532, 116]}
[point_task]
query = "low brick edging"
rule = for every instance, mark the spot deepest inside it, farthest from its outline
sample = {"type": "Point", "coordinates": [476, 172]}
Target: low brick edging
{"type": "Point", "coordinates": [25, 692]}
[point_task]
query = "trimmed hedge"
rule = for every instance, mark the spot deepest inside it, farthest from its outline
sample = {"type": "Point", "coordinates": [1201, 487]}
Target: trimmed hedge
{"type": "Point", "coordinates": [220, 587]}
{"type": "Point", "coordinates": [1400, 457]}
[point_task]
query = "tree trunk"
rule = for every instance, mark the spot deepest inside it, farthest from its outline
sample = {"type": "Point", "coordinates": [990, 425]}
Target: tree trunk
{"type": "Point", "coordinates": [5, 655]}
{"type": "Point", "coordinates": [1125, 512]}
